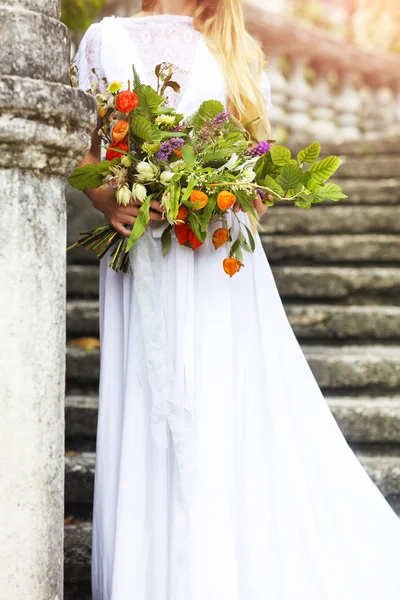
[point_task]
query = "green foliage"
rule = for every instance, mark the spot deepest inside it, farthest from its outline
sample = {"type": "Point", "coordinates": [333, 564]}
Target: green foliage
{"type": "Point", "coordinates": [207, 111]}
{"type": "Point", "coordinates": [166, 240]}
{"type": "Point", "coordinates": [140, 225]}
{"type": "Point", "coordinates": [280, 155]}
{"type": "Point", "coordinates": [90, 176]}
{"type": "Point", "coordinates": [145, 130]}
{"type": "Point", "coordinates": [77, 15]}
{"type": "Point", "coordinates": [309, 154]}
{"type": "Point", "coordinates": [290, 175]}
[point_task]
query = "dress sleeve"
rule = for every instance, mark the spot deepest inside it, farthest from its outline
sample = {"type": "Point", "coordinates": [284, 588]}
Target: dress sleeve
{"type": "Point", "coordinates": [265, 87]}
{"type": "Point", "coordinates": [87, 58]}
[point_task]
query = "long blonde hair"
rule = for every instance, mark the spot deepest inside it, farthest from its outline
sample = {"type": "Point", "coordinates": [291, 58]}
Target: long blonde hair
{"type": "Point", "coordinates": [240, 56]}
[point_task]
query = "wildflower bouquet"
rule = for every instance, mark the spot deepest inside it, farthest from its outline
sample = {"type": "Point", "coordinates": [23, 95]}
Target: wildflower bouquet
{"type": "Point", "coordinates": [197, 166]}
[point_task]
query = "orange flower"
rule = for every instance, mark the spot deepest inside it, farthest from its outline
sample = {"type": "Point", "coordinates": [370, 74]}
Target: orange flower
{"type": "Point", "coordinates": [102, 111]}
{"type": "Point", "coordinates": [225, 200]}
{"type": "Point", "coordinates": [198, 196]}
{"type": "Point", "coordinates": [177, 152]}
{"type": "Point", "coordinates": [126, 101]}
{"type": "Point", "coordinates": [182, 212]}
{"type": "Point", "coordinates": [119, 130]}
{"type": "Point", "coordinates": [112, 150]}
{"type": "Point", "coordinates": [231, 266]}
{"type": "Point", "coordinates": [220, 237]}
{"type": "Point", "coordinates": [194, 241]}
{"type": "Point", "coordinates": [182, 232]}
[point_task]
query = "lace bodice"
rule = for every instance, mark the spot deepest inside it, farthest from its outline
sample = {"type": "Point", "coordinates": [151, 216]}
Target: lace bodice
{"type": "Point", "coordinates": [155, 39]}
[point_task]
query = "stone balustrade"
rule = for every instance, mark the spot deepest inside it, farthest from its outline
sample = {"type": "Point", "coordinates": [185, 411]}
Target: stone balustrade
{"type": "Point", "coordinates": [329, 89]}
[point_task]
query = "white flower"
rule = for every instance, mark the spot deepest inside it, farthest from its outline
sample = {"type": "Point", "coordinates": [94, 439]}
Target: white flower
{"type": "Point", "coordinates": [139, 192]}
{"type": "Point", "coordinates": [123, 195]}
{"type": "Point", "coordinates": [165, 177]}
{"type": "Point", "coordinates": [146, 171]}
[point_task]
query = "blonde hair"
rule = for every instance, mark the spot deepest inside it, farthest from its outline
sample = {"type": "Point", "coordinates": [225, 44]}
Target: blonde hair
{"type": "Point", "coordinates": [240, 56]}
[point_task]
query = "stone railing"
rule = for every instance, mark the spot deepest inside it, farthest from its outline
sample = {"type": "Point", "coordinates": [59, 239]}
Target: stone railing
{"type": "Point", "coordinates": [331, 89]}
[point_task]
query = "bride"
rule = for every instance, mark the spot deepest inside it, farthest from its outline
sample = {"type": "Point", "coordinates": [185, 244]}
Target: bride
{"type": "Point", "coordinates": [220, 472]}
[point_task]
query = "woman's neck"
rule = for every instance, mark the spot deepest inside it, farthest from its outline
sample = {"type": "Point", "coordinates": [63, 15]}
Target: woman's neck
{"type": "Point", "coordinates": [171, 7]}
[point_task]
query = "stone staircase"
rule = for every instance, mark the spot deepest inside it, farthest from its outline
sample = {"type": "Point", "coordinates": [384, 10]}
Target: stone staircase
{"type": "Point", "coordinates": [337, 267]}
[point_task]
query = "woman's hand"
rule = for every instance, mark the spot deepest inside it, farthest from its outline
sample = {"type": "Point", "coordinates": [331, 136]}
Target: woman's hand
{"type": "Point", "coordinates": [103, 198]}
{"type": "Point", "coordinates": [258, 204]}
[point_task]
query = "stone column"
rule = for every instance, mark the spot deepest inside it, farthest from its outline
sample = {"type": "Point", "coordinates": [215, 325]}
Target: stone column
{"type": "Point", "coordinates": [45, 128]}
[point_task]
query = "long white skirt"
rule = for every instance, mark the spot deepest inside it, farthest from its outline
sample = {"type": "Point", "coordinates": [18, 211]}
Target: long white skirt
{"type": "Point", "coordinates": [257, 496]}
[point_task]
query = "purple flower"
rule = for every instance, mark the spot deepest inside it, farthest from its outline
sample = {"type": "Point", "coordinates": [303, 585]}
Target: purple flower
{"type": "Point", "coordinates": [260, 149]}
{"type": "Point", "coordinates": [221, 117]}
{"type": "Point", "coordinates": [180, 127]}
{"type": "Point", "coordinates": [168, 147]}
{"type": "Point", "coordinates": [261, 193]}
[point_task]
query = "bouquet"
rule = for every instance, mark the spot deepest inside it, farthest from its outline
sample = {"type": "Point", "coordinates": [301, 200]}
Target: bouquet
{"type": "Point", "coordinates": [198, 167]}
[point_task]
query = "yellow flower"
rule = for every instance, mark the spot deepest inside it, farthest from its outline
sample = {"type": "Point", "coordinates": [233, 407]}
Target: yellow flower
{"type": "Point", "coordinates": [114, 86]}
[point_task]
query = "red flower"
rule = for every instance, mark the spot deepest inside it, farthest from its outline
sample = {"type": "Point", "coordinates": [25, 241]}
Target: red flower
{"type": "Point", "coordinates": [185, 235]}
{"type": "Point", "coordinates": [194, 241]}
{"type": "Point", "coordinates": [112, 150]}
{"type": "Point", "coordinates": [182, 232]}
{"type": "Point", "coordinates": [126, 101]}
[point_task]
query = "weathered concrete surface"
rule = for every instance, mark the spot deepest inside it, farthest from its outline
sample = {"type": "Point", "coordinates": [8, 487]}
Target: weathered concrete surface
{"type": "Point", "coordinates": [83, 281]}
{"type": "Point", "coordinates": [365, 419]}
{"type": "Point", "coordinates": [332, 219]}
{"type": "Point", "coordinates": [45, 129]}
{"type": "Point", "coordinates": [81, 416]}
{"type": "Point", "coordinates": [375, 248]}
{"type": "Point", "coordinates": [355, 367]}
{"type": "Point", "coordinates": [351, 284]}
{"type": "Point", "coordinates": [330, 322]}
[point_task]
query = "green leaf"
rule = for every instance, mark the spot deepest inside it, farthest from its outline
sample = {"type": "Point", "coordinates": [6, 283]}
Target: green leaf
{"type": "Point", "coordinates": [208, 210]}
{"type": "Point", "coordinates": [303, 201]}
{"type": "Point", "coordinates": [243, 242]}
{"type": "Point", "coordinates": [322, 170]}
{"type": "Point", "coordinates": [331, 191]}
{"type": "Point", "coordinates": [246, 203]}
{"type": "Point", "coordinates": [290, 175]}
{"type": "Point", "coordinates": [280, 155]}
{"type": "Point", "coordinates": [310, 183]}
{"type": "Point", "coordinates": [275, 187]}
{"type": "Point", "coordinates": [206, 112]}
{"type": "Point", "coordinates": [188, 155]}
{"type": "Point", "coordinates": [264, 166]}
{"type": "Point", "coordinates": [90, 176]}
{"type": "Point", "coordinates": [141, 222]}
{"type": "Point", "coordinates": [251, 239]}
{"type": "Point", "coordinates": [195, 226]}
{"type": "Point", "coordinates": [188, 191]}
{"type": "Point", "coordinates": [145, 130]}
{"type": "Point", "coordinates": [166, 240]}
{"type": "Point", "coordinates": [309, 154]}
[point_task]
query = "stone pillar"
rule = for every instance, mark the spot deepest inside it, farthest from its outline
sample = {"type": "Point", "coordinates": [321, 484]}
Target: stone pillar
{"type": "Point", "coordinates": [45, 128]}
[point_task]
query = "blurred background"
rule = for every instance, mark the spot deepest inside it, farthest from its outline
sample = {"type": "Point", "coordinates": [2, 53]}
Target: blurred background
{"type": "Point", "coordinates": [334, 68]}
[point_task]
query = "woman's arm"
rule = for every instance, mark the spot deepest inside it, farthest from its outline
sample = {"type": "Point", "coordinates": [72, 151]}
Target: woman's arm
{"type": "Point", "coordinates": [103, 197]}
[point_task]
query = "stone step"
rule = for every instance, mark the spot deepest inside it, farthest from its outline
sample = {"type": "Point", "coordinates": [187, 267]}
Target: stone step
{"type": "Point", "coordinates": [83, 281]}
{"type": "Point", "coordinates": [297, 249]}
{"type": "Point", "coordinates": [368, 167]}
{"type": "Point", "coordinates": [332, 219]}
{"type": "Point", "coordinates": [355, 367]}
{"type": "Point", "coordinates": [383, 470]}
{"type": "Point", "coordinates": [343, 284]}
{"type": "Point", "coordinates": [79, 475]}
{"type": "Point", "coordinates": [333, 322]}
{"type": "Point", "coordinates": [362, 419]}
{"type": "Point", "coordinates": [363, 191]}
{"type": "Point", "coordinates": [315, 321]}
{"type": "Point", "coordinates": [339, 368]}
{"type": "Point", "coordinates": [302, 282]}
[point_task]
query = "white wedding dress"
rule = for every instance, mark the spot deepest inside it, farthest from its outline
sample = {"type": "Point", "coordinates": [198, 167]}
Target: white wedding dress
{"type": "Point", "coordinates": [220, 471]}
